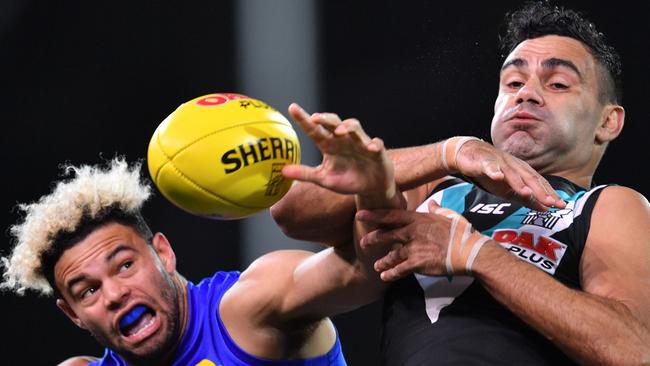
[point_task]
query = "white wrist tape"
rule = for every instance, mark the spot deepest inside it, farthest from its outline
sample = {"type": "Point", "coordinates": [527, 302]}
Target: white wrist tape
{"type": "Point", "coordinates": [464, 243]}
{"type": "Point", "coordinates": [450, 149]}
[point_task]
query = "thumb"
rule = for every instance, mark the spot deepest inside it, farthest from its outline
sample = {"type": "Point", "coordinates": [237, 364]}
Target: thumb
{"type": "Point", "coordinates": [433, 206]}
{"type": "Point", "coordinates": [300, 172]}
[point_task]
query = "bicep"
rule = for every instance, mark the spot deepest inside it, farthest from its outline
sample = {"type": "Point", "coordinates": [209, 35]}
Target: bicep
{"type": "Point", "coordinates": [286, 285]}
{"type": "Point", "coordinates": [260, 309]}
{"type": "Point", "coordinates": [616, 258]}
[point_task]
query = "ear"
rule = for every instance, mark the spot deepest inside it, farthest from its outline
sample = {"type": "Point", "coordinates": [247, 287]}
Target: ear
{"type": "Point", "coordinates": [611, 123]}
{"type": "Point", "coordinates": [67, 310]}
{"type": "Point", "coordinates": [165, 252]}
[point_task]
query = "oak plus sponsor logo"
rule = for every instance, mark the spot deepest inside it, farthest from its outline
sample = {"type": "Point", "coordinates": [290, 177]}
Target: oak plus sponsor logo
{"type": "Point", "coordinates": [543, 252]}
{"type": "Point", "coordinates": [546, 219]}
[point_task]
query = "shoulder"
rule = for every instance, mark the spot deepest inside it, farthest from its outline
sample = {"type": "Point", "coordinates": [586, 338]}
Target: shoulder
{"type": "Point", "coordinates": [274, 264]}
{"type": "Point", "coordinates": [619, 212]}
{"type": "Point", "coordinates": [250, 308]}
{"type": "Point", "coordinates": [78, 361]}
{"type": "Point", "coordinates": [619, 205]}
{"type": "Point", "coordinates": [620, 218]}
{"type": "Point", "coordinates": [619, 232]}
{"type": "Point", "coordinates": [264, 280]}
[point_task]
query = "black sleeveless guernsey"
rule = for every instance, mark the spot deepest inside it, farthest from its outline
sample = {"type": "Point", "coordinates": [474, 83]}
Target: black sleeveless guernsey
{"type": "Point", "coordinates": [435, 321]}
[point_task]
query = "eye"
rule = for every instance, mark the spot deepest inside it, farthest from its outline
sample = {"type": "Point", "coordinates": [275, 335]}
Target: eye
{"type": "Point", "coordinates": [559, 86]}
{"type": "Point", "coordinates": [87, 292]}
{"type": "Point", "coordinates": [126, 265]}
{"type": "Point", "coordinates": [515, 84]}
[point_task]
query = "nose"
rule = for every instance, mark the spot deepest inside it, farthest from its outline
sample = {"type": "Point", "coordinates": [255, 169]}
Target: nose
{"type": "Point", "coordinates": [530, 92]}
{"type": "Point", "coordinates": [115, 293]}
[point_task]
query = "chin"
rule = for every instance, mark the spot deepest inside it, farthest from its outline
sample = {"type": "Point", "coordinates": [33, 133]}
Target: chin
{"type": "Point", "coordinates": [150, 353]}
{"type": "Point", "coordinates": [150, 350]}
{"type": "Point", "coordinates": [520, 145]}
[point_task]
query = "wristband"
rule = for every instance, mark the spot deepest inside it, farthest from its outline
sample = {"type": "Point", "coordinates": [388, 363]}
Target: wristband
{"type": "Point", "coordinates": [450, 149]}
{"type": "Point", "coordinates": [464, 243]}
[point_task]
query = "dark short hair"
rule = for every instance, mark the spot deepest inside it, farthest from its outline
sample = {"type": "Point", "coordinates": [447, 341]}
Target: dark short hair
{"type": "Point", "coordinates": [64, 240]}
{"type": "Point", "coordinates": [540, 18]}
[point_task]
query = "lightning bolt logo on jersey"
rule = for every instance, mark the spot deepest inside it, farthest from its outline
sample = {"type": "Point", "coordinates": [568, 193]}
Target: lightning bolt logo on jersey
{"type": "Point", "coordinates": [426, 317]}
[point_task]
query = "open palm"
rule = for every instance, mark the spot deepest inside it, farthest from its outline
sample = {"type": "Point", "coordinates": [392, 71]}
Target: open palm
{"type": "Point", "coordinates": [352, 161]}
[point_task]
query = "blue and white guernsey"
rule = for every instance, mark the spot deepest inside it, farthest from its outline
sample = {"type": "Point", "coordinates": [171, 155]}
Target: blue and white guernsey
{"type": "Point", "coordinates": [432, 320]}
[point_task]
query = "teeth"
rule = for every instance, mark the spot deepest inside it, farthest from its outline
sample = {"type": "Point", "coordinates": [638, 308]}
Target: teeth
{"type": "Point", "coordinates": [143, 323]}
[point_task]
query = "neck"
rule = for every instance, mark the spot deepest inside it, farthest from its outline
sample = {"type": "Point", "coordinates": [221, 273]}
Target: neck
{"type": "Point", "coordinates": [183, 311]}
{"type": "Point", "coordinates": [581, 179]}
{"type": "Point", "coordinates": [578, 171]}
{"type": "Point", "coordinates": [184, 308]}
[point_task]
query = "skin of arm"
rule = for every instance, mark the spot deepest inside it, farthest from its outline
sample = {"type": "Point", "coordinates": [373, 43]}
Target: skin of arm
{"type": "Point", "coordinates": [606, 323]}
{"type": "Point", "coordinates": [279, 307]}
{"type": "Point", "coordinates": [312, 213]}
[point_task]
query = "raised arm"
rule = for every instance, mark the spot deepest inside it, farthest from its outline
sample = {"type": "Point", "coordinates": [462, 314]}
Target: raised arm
{"type": "Point", "coordinates": [313, 213]}
{"type": "Point", "coordinates": [284, 297]}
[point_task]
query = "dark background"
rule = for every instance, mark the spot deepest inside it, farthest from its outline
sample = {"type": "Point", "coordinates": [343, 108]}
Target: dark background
{"type": "Point", "coordinates": [83, 81]}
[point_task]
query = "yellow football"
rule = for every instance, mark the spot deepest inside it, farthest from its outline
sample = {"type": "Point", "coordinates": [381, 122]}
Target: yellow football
{"type": "Point", "coordinates": [221, 156]}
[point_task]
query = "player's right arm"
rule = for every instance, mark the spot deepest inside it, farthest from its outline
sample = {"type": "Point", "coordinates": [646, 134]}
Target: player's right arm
{"type": "Point", "coordinates": [313, 213]}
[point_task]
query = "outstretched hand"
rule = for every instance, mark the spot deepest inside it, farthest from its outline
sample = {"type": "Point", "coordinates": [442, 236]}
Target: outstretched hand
{"type": "Point", "coordinates": [505, 175]}
{"type": "Point", "coordinates": [352, 162]}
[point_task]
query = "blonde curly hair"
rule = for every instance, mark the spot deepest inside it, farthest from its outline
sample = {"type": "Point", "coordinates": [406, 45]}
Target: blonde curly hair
{"type": "Point", "coordinates": [86, 195]}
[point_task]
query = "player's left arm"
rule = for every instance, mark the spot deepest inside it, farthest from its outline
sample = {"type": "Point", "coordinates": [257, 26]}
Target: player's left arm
{"type": "Point", "coordinates": [616, 264]}
{"type": "Point", "coordinates": [609, 321]}
{"type": "Point", "coordinates": [285, 295]}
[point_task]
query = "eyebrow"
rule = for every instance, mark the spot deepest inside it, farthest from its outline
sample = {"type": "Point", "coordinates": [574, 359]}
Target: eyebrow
{"type": "Point", "coordinates": [82, 276]}
{"type": "Point", "coordinates": [550, 63]}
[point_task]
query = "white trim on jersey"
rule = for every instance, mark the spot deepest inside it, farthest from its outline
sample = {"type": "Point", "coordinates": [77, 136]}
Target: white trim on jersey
{"type": "Point", "coordinates": [580, 204]}
{"type": "Point", "coordinates": [440, 291]}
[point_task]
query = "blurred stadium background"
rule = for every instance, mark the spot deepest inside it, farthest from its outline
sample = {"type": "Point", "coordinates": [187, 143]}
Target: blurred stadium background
{"type": "Point", "coordinates": [83, 81]}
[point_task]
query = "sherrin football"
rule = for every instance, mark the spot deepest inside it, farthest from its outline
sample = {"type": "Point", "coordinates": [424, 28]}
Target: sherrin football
{"type": "Point", "coordinates": [221, 155]}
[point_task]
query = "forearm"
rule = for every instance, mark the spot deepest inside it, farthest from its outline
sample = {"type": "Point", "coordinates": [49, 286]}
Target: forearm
{"type": "Point", "coordinates": [312, 213]}
{"type": "Point", "coordinates": [415, 166]}
{"type": "Point", "coordinates": [588, 328]}
{"type": "Point", "coordinates": [366, 258]}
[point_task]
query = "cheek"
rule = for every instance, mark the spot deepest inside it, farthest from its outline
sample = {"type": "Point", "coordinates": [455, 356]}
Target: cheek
{"type": "Point", "coordinates": [500, 105]}
{"type": "Point", "coordinates": [576, 119]}
{"type": "Point", "coordinates": [158, 284]}
{"type": "Point", "coordinates": [96, 320]}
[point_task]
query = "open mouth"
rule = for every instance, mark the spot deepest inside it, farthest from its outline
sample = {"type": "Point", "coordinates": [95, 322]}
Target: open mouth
{"type": "Point", "coordinates": [137, 322]}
